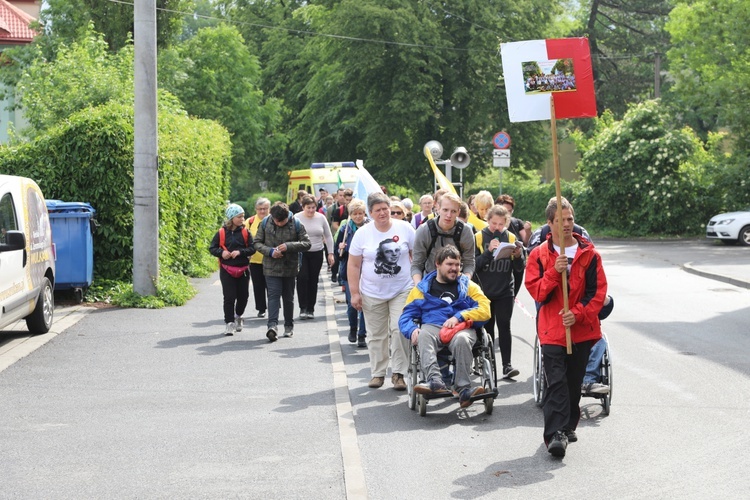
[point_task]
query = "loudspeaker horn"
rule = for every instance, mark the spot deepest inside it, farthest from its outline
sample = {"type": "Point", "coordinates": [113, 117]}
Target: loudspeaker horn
{"type": "Point", "coordinates": [460, 158]}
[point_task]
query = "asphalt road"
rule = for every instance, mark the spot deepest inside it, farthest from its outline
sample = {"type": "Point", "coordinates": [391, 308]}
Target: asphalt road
{"type": "Point", "coordinates": [159, 404]}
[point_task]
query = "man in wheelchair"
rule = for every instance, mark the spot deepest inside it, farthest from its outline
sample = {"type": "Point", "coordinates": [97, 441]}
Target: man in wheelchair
{"type": "Point", "coordinates": [439, 312]}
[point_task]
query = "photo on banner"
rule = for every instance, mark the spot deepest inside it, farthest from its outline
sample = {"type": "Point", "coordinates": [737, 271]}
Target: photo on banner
{"type": "Point", "coordinates": [536, 71]}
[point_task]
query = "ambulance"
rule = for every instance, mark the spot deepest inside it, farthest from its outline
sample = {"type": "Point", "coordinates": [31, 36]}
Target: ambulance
{"type": "Point", "coordinates": [27, 256]}
{"type": "Point", "coordinates": [328, 176]}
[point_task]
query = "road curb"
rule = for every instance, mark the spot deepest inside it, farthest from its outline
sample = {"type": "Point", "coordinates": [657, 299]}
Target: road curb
{"type": "Point", "coordinates": [690, 268]}
{"type": "Point", "coordinates": [19, 348]}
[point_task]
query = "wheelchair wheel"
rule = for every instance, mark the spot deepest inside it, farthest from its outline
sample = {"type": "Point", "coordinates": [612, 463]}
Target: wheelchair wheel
{"type": "Point", "coordinates": [412, 378]}
{"type": "Point", "coordinates": [606, 370]}
{"type": "Point", "coordinates": [422, 403]}
{"type": "Point", "coordinates": [538, 373]}
{"type": "Point", "coordinates": [488, 405]}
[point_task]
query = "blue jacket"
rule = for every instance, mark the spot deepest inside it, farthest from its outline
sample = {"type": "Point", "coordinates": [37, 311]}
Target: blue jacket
{"type": "Point", "coordinates": [423, 308]}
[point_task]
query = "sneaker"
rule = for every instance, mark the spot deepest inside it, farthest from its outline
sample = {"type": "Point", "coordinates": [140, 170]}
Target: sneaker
{"type": "Point", "coordinates": [594, 388]}
{"type": "Point", "coordinates": [376, 382]}
{"type": "Point", "coordinates": [509, 372]}
{"type": "Point", "coordinates": [303, 315]}
{"type": "Point", "coordinates": [310, 315]}
{"type": "Point", "coordinates": [229, 330]}
{"type": "Point", "coordinates": [464, 397]}
{"type": "Point", "coordinates": [361, 341]}
{"type": "Point", "coordinates": [261, 314]}
{"type": "Point", "coordinates": [571, 435]}
{"type": "Point", "coordinates": [431, 387]}
{"type": "Point", "coordinates": [353, 336]}
{"type": "Point", "coordinates": [288, 331]}
{"type": "Point", "coordinates": [398, 382]}
{"type": "Point", "coordinates": [558, 444]}
{"type": "Point", "coordinates": [272, 334]}
{"type": "Point", "coordinates": [238, 323]}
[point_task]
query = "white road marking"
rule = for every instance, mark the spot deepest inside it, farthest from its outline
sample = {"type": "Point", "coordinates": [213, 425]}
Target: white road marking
{"type": "Point", "coordinates": [354, 477]}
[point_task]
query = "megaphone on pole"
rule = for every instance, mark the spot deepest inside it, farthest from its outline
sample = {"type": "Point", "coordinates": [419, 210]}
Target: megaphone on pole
{"type": "Point", "coordinates": [460, 158]}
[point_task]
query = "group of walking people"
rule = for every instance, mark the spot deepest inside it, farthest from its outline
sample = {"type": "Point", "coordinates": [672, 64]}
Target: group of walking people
{"type": "Point", "coordinates": [380, 258]}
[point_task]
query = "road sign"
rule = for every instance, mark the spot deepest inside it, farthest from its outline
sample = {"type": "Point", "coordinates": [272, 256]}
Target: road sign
{"type": "Point", "coordinates": [501, 158]}
{"type": "Point", "coordinates": [501, 140]}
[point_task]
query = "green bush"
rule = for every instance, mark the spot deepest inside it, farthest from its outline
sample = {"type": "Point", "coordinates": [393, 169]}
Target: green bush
{"type": "Point", "coordinates": [644, 177]}
{"type": "Point", "coordinates": [89, 158]}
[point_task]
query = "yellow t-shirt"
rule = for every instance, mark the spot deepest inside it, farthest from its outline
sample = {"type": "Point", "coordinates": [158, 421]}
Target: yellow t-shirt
{"type": "Point", "coordinates": [478, 239]}
{"type": "Point", "coordinates": [257, 257]}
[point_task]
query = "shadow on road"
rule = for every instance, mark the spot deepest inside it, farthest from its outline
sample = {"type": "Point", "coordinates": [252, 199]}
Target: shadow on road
{"type": "Point", "coordinates": [509, 474]}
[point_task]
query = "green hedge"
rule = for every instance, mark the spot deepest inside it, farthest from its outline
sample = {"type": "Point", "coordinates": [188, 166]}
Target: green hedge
{"type": "Point", "coordinates": [89, 158]}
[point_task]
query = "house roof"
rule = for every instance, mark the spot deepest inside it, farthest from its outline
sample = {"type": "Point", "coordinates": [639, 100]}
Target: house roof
{"type": "Point", "coordinates": [14, 25]}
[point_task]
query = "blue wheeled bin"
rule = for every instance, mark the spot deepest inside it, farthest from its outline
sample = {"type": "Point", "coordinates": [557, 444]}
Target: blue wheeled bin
{"type": "Point", "coordinates": [72, 228]}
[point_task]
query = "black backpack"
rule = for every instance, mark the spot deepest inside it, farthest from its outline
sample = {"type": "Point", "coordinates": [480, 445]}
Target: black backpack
{"type": "Point", "coordinates": [433, 227]}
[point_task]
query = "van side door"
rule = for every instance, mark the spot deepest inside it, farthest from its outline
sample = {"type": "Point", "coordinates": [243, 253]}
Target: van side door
{"type": "Point", "coordinates": [12, 271]}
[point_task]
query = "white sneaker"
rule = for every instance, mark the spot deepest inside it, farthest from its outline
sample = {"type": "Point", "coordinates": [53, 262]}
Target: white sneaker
{"type": "Point", "coordinates": [288, 331]}
{"type": "Point", "coordinates": [238, 323]}
{"type": "Point", "coordinates": [229, 331]}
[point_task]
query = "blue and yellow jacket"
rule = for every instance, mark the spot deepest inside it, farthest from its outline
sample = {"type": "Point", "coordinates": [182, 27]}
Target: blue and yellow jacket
{"type": "Point", "coordinates": [423, 308]}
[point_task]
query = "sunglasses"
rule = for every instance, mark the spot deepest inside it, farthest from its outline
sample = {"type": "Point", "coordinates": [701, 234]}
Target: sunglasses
{"type": "Point", "coordinates": [397, 213]}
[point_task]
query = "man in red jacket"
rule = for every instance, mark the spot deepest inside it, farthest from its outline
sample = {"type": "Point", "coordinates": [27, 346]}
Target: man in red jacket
{"type": "Point", "coordinates": [587, 290]}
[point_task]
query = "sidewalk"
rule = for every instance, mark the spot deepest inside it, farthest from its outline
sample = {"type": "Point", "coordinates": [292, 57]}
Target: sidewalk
{"type": "Point", "coordinates": [163, 405]}
{"type": "Point", "coordinates": [734, 271]}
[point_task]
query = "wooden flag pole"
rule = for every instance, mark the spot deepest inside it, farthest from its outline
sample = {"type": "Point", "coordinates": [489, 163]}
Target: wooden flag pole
{"type": "Point", "coordinates": [559, 228]}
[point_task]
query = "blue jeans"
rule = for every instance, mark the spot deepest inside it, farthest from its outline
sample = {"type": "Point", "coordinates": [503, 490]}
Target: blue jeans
{"type": "Point", "coordinates": [595, 362]}
{"type": "Point", "coordinates": [280, 289]}
{"type": "Point", "coordinates": [354, 316]}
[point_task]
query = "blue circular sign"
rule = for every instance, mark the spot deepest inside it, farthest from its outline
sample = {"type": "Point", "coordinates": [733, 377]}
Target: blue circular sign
{"type": "Point", "coordinates": [501, 140]}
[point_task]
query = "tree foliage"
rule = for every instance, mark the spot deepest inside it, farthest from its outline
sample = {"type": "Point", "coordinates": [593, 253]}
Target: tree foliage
{"type": "Point", "coordinates": [216, 77]}
{"type": "Point", "coordinates": [625, 37]}
{"type": "Point", "coordinates": [67, 19]}
{"type": "Point", "coordinates": [645, 177]}
{"type": "Point", "coordinates": [84, 74]}
{"type": "Point", "coordinates": [378, 79]}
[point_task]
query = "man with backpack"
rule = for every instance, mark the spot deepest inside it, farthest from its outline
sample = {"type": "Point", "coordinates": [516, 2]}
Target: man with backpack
{"type": "Point", "coordinates": [444, 229]}
{"type": "Point", "coordinates": [280, 238]}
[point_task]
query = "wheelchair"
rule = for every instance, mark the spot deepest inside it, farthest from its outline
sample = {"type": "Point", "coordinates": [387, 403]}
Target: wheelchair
{"type": "Point", "coordinates": [484, 369]}
{"type": "Point", "coordinates": [605, 369]}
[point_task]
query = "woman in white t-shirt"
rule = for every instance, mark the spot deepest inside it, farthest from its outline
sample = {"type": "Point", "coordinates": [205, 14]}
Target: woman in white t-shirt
{"type": "Point", "coordinates": [379, 282]}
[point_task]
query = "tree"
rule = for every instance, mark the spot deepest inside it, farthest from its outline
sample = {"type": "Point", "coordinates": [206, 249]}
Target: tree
{"type": "Point", "coordinates": [66, 19]}
{"type": "Point", "coordinates": [710, 62]}
{"type": "Point", "coordinates": [84, 74]}
{"type": "Point", "coordinates": [626, 37]}
{"type": "Point", "coordinates": [216, 77]}
{"type": "Point", "coordinates": [376, 80]}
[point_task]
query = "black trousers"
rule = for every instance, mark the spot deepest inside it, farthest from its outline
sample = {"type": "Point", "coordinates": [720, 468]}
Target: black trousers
{"type": "Point", "coordinates": [563, 375]}
{"type": "Point", "coordinates": [517, 281]}
{"type": "Point", "coordinates": [307, 280]}
{"type": "Point", "coordinates": [236, 293]}
{"type": "Point", "coordinates": [502, 312]}
{"type": "Point", "coordinates": [259, 286]}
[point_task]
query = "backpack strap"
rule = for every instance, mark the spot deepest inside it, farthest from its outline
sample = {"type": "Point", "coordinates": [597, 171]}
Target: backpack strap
{"type": "Point", "coordinates": [223, 238]}
{"type": "Point", "coordinates": [433, 227]}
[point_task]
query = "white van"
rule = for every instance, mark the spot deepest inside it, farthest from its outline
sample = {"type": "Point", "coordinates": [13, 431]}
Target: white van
{"type": "Point", "coordinates": [27, 259]}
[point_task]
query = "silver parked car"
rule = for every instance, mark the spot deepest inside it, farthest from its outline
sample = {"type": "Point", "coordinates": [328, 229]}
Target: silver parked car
{"type": "Point", "coordinates": [730, 228]}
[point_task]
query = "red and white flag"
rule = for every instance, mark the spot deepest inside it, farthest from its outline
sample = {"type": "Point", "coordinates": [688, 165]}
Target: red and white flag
{"type": "Point", "coordinates": [536, 71]}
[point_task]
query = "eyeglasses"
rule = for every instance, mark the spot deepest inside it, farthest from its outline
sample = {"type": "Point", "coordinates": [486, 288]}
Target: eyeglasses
{"type": "Point", "coordinates": [397, 213]}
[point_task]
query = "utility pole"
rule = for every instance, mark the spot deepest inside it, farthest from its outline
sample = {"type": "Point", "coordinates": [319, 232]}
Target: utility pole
{"type": "Point", "coordinates": [145, 167]}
